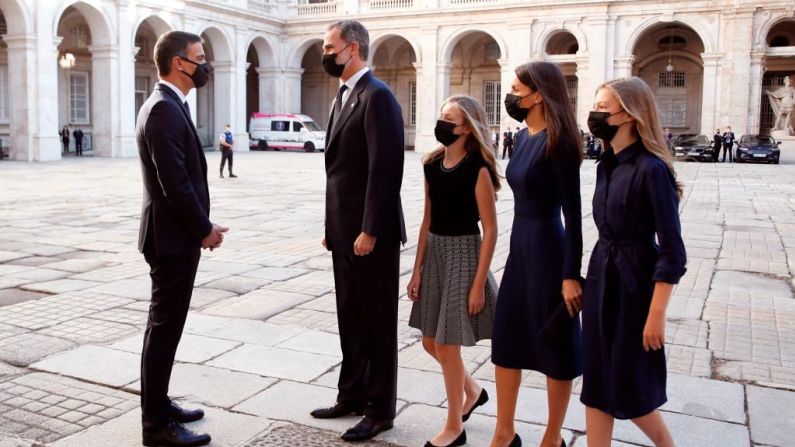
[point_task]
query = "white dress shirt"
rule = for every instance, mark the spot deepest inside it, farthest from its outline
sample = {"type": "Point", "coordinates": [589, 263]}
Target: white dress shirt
{"type": "Point", "coordinates": [176, 90]}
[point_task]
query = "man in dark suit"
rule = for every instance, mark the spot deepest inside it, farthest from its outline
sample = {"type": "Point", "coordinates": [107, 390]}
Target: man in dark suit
{"type": "Point", "coordinates": [175, 226]}
{"type": "Point", "coordinates": [728, 144]}
{"type": "Point", "coordinates": [78, 134]}
{"type": "Point", "coordinates": [507, 143]}
{"type": "Point", "coordinates": [717, 142]}
{"type": "Point", "coordinates": [364, 230]}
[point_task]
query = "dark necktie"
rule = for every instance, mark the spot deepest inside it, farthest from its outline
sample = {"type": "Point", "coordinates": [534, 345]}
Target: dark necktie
{"type": "Point", "coordinates": [186, 107]}
{"type": "Point", "coordinates": [338, 101]}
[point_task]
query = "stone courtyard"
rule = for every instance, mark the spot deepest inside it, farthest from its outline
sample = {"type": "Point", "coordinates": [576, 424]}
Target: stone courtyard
{"type": "Point", "coordinates": [260, 348]}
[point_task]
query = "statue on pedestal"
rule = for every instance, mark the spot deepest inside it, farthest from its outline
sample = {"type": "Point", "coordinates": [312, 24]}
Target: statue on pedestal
{"type": "Point", "coordinates": [782, 101]}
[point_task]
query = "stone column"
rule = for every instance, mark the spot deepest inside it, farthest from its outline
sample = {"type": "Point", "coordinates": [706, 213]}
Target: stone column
{"type": "Point", "coordinates": [429, 85]}
{"type": "Point", "coordinates": [585, 95]}
{"type": "Point", "coordinates": [43, 78]}
{"type": "Point", "coordinates": [104, 101]}
{"type": "Point", "coordinates": [290, 93]}
{"type": "Point", "coordinates": [755, 93]}
{"type": "Point", "coordinates": [223, 97]}
{"type": "Point", "coordinates": [741, 29]}
{"type": "Point", "coordinates": [22, 102]}
{"type": "Point", "coordinates": [622, 67]}
{"type": "Point", "coordinates": [124, 124]}
{"type": "Point", "coordinates": [710, 98]}
{"type": "Point", "coordinates": [239, 116]}
{"type": "Point", "coordinates": [268, 81]}
{"type": "Point", "coordinates": [598, 51]}
{"type": "Point", "coordinates": [506, 78]}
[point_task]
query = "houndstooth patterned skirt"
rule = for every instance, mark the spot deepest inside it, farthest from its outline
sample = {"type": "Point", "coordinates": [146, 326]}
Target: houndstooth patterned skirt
{"type": "Point", "coordinates": [442, 311]}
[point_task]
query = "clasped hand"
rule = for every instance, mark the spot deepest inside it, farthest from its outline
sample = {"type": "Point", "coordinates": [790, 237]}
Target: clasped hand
{"type": "Point", "coordinates": [215, 238]}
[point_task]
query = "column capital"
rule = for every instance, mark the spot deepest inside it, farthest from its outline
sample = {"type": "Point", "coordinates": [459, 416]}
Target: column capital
{"type": "Point", "coordinates": [223, 66]}
{"type": "Point", "coordinates": [268, 71]}
{"type": "Point", "coordinates": [104, 51]}
{"type": "Point", "coordinates": [21, 41]}
{"type": "Point", "coordinates": [711, 58]}
{"type": "Point", "coordinates": [292, 71]}
{"type": "Point", "coordinates": [625, 61]}
{"type": "Point", "coordinates": [418, 67]}
{"type": "Point", "coordinates": [442, 67]}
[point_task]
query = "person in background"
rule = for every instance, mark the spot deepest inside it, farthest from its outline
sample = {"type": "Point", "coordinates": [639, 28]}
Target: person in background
{"type": "Point", "coordinates": [717, 142]}
{"type": "Point", "coordinates": [227, 146]}
{"type": "Point", "coordinates": [507, 143]}
{"type": "Point", "coordinates": [78, 134]}
{"type": "Point", "coordinates": [64, 133]}
{"type": "Point", "coordinates": [728, 144]}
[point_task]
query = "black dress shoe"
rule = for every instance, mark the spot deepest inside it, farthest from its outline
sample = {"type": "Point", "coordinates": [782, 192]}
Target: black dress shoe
{"type": "Point", "coordinates": [338, 410]}
{"type": "Point", "coordinates": [484, 397]}
{"type": "Point", "coordinates": [516, 442]}
{"type": "Point", "coordinates": [365, 429]}
{"type": "Point", "coordinates": [459, 441]}
{"type": "Point", "coordinates": [174, 434]}
{"type": "Point", "coordinates": [184, 416]}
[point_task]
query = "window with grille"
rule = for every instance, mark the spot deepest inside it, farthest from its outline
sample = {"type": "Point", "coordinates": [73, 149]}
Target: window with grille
{"type": "Point", "coordinates": [492, 51]}
{"type": "Point", "coordinates": [491, 101]}
{"type": "Point", "coordinates": [672, 98]}
{"type": "Point", "coordinates": [80, 37]}
{"type": "Point", "coordinates": [571, 88]}
{"type": "Point", "coordinates": [78, 98]}
{"type": "Point", "coordinates": [3, 92]}
{"type": "Point", "coordinates": [141, 92]}
{"type": "Point", "coordinates": [412, 103]}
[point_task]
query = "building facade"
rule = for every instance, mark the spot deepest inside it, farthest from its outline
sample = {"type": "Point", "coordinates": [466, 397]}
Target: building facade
{"type": "Point", "coordinates": [88, 64]}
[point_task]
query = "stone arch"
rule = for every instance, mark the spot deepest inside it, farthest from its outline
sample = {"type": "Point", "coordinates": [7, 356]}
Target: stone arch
{"type": "Point", "coordinates": [99, 21]}
{"type": "Point", "coordinates": [220, 42]}
{"type": "Point", "coordinates": [297, 55]}
{"type": "Point", "coordinates": [450, 43]}
{"type": "Point", "coordinates": [762, 32]}
{"type": "Point", "coordinates": [649, 24]}
{"type": "Point", "coordinates": [264, 49]}
{"type": "Point", "coordinates": [550, 38]}
{"type": "Point", "coordinates": [382, 38]}
{"type": "Point", "coordinates": [159, 23]}
{"type": "Point", "coordinates": [18, 19]}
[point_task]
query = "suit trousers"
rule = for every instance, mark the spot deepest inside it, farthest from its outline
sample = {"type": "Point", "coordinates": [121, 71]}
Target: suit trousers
{"type": "Point", "coordinates": [729, 150]}
{"type": "Point", "coordinates": [172, 287]}
{"type": "Point", "coordinates": [367, 312]}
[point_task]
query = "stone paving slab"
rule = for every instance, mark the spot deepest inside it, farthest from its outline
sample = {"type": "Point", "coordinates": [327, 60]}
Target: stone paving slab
{"type": "Point", "coordinates": [227, 430]}
{"type": "Point", "coordinates": [212, 386]}
{"type": "Point", "coordinates": [9, 297]}
{"type": "Point", "coordinates": [247, 331]}
{"type": "Point", "coordinates": [89, 330]}
{"type": "Point", "coordinates": [59, 286]}
{"type": "Point", "coordinates": [689, 431]}
{"type": "Point", "coordinates": [291, 435]}
{"type": "Point", "coordinates": [771, 416]}
{"type": "Point", "coordinates": [276, 362]}
{"type": "Point", "coordinates": [27, 348]}
{"type": "Point", "coordinates": [316, 342]}
{"type": "Point", "coordinates": [257, 305]}
{"type": "Point", "coordinates": [205, 296]}
{"type": "Point", "coordinates": [49, 407]}
{"type": "Point", "coordinates": [191, 349]}
{"type": "Point", "coordinates": [237, 284]}
{"type": "Point", "coordinates": [107, 366]}
{"type": "Point", "coordinates": [53, 310]}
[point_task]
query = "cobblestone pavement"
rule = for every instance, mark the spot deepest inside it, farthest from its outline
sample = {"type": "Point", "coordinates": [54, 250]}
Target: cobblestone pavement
{"type": "Point", "coordinates": [260, 347]}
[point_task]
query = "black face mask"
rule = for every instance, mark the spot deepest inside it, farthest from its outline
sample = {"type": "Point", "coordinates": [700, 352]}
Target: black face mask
{"type": "Point", "coordinates": [599, 127]}
{"type": "Point", "coordinates": [331, 66]}
{"type": "Point", "coordinates": [444, 132]}
{"type": "Point", "coordinates": [512, 107]}
{"type": "Point", "coordinates": [200, 74]}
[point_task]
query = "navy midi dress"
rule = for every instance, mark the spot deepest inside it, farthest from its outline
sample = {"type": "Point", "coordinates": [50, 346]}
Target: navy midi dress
{"type": "Point", "coordinates": [634, 200]}
{"type": "Point", "coordinates": [542, 254]}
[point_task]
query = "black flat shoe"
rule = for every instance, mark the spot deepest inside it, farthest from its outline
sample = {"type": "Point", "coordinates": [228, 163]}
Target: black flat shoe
{"type": "Point", "coordinates": [517, 441]}
{"type": "Point", "coordinates": [174, 434]}
{"type": "Point", "coordinates": [337, 410]}
{"type": "Point", "coordinates": [365, 429]}
{"type": "Point", "coordinates": [484, 397]}
{"type": "Point", "coordinates": [459, 441]}
{"type": "Point", "coordinates": [184, 416]}
{"type": "Point", "coordinates": [562, 443]}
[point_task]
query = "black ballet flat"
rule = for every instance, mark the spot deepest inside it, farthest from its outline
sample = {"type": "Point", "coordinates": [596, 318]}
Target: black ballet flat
{"type": "Point", "coordinates": [562, 443]}
{"type": "Point", "coordinates": [459, 441]}
{"type": "Point", "coordinates": [517, 441]}
{"type": "Point", "coordinates": [484, 397]}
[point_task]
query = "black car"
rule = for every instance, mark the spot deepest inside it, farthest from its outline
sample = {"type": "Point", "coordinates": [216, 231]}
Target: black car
{"type": "Point", "coordinates": [692, 147]}
{"type": "Point", "coordinates": [759, 148]}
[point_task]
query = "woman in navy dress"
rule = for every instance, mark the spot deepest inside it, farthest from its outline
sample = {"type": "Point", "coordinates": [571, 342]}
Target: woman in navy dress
{"type": "Point", "coordinates": [630, 276]}
{"type": "Point", "coordinates": [541, 278]}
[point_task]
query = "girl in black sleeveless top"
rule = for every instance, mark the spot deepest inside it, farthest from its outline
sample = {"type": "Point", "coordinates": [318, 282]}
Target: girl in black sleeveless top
{"type": "Point", "coordinates": [454, 292]}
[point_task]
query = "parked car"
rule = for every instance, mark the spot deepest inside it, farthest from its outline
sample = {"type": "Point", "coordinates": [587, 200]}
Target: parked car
{"type": "Point", "coordinates": [693, 147]}
{"type": "Point", "coordinates": [285, 131]}
{"type": "Point", "coordinates": [759, 148]}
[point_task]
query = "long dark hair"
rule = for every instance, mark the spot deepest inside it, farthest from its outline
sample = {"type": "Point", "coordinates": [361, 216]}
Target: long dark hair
{"type": "Point", "coordinates": [562, 133]}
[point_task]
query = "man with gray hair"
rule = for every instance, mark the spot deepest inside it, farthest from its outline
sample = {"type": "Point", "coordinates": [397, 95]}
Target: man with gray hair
{"type": "Point", "coordinates": [364, 230]}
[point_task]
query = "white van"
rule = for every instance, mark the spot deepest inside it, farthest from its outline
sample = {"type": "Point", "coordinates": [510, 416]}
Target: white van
{"type": "Point", "coordinates": [285, 131]}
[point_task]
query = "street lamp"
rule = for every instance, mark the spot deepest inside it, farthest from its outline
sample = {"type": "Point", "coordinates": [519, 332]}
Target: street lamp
{"type": "Point", "coordinates": [67, 61]}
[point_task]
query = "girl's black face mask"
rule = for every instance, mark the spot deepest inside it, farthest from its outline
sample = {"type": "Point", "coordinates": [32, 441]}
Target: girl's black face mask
{"type": "Point", "coordinates": [445, 132]}
{"type": "Point", "coordinates": [600, 128]}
